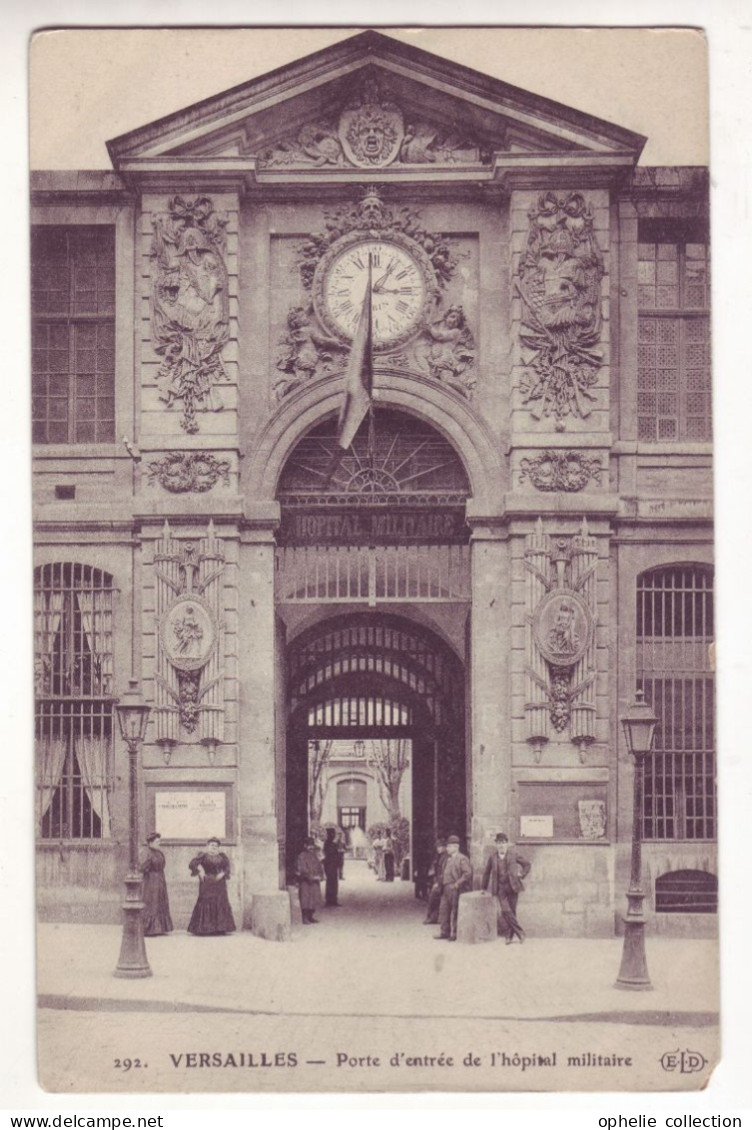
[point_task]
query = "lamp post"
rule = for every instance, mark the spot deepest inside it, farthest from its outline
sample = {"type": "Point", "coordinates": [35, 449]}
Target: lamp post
{"type": "Point", "coordinates": [133, 714]}
{"type": "Point", "coordinates": [639, 730]}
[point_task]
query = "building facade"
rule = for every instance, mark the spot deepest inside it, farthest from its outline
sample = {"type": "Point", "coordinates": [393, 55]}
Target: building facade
{"type": "Point", "coordinates": [517, 540]}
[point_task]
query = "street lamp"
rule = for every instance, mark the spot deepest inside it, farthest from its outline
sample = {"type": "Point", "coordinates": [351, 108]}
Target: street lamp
{"type": "Point", "coordinates": [133, 714]}
{"type": "Point", "coordinates": [639, 730]}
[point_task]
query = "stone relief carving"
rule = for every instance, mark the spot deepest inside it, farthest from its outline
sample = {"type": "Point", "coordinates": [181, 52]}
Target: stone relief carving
{"type": "Point", "coordinates": [447, 350]}
{"type": "Point", "coordinates": [183, 471]}
{"type": "Point", "coordinates": [553, 470]}
{"type": "Point", "coordinates": [444, 349]}
{"type": "Point", "coordinates": [314, 145]}
{"type": "Point", "coordinates": [561, 599]}
{"type": "Point", "coordinates": [190, 673]}
{"type": "Point", "coordinates": [371, 216]}
{"type": "Point", "coordinates": [559, 283]}
{"type": "Point", "coordinates": [592, 819]}
{"type": "Point", "coordinates": [372, 128]}
{"type": "Point", "coordinates": [371, 132]}
{"type": "Point", "coordinates": [305, 353]}
{"type": "Point", "coordinates": [426, 144]}
{"type": "Point", "coordinates": [190, 324]}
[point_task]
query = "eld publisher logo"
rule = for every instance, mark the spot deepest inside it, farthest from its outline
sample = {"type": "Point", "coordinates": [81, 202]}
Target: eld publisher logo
{"type": "Point", "coordinates": [685, 1062]}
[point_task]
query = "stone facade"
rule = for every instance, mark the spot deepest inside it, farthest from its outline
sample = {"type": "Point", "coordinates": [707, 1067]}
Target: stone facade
{"type": "Point", "coordinates": [223, 364]}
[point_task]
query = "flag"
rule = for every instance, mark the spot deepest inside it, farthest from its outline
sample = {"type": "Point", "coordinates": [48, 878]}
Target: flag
{"type": "Point", "coordinates": [359, 382]}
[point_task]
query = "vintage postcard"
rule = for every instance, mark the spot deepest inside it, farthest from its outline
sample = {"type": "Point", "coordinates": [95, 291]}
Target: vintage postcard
{"type": "Point", "coordinates": [373, 580]}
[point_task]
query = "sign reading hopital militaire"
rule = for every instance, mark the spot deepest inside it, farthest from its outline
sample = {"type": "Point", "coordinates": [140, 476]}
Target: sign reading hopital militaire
{"type": "Point", "coordinates": [376, 526]}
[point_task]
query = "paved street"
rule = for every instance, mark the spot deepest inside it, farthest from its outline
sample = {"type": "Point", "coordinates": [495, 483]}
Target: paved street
{"type": "Point", "coordinates": [369, 980]}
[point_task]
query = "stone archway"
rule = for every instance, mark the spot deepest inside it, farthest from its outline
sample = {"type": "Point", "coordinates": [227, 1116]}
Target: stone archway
{"type": "Point", "coordinates": [379, 675]}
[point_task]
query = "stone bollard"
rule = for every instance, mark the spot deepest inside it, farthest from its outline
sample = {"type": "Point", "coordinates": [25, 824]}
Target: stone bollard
{"type": "Point", "coordinates": [476, 918]}
{"type": "Point", "coordinates": [270, 916]}
{"type": "Point", "coordinates": [296, 913]}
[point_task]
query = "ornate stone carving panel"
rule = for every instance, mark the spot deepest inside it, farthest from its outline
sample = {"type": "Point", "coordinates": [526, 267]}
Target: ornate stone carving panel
{"type": "Point", "coordinates": [372, 130]}
{"type": "Point", "coordinates": [561, 619]}
{"type": "Point", "coordinates": [189, 306]}
{"type": "Point", "coordinates": [559, 283]}
{"type": "Point", "coordinates": [182, 471]}
{"type": "Point", "coordinates": [553, 470]}
{"type": "Point", "coordinates": [189, 679]}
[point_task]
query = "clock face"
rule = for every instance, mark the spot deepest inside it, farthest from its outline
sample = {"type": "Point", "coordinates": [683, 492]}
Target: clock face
{"type": "Point", "coordinates": [400, 291]}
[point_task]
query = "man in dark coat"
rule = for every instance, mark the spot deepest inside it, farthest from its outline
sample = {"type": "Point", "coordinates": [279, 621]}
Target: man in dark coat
{"type": "Point", "coordinates": [503, 877]}
{"type": "Point", "coordinates": [434, 880]}
{"type": "Point", "coordinates": [457, 877]}
{"type": "Point", "coordinates": [331, 868]}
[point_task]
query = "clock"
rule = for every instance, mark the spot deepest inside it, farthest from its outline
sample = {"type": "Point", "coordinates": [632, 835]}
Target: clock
{"type": "Point", "coordinates": [403, 287]}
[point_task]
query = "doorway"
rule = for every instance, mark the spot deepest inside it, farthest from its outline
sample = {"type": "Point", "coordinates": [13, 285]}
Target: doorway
{"type": "Point", "coordinates": [389, 693]}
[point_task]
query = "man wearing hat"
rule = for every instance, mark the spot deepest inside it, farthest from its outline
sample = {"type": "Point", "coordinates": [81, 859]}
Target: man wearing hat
{"type": "Point", "coordinates": [456, 878]}
{"type": "Point", "coordinates": [435, 873]}
{"type": "Point", "coordinates": [503, 876]}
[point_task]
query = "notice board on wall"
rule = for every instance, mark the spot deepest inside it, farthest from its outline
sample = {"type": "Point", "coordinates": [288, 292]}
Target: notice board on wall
{"type": "Point", "coordinates": [191, 813]}
{"type": "Point", "coordinates": [562, 811]}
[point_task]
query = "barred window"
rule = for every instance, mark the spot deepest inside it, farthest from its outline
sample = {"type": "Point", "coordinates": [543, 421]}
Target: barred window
{"type": "Point", "coordinates": [673, 352]}
{"type": "Point", "coordinates": [73, 334]}
{"type": "Point", "coordinates": [73, 700]}
{"type": "Point", "coordinates": [674, 637]}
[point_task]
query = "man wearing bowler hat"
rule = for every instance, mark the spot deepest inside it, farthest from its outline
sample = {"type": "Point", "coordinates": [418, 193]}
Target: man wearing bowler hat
{"type": "Point", "coordinates": [503, 876]}
{"type": "Point", "coordinates": [456, 878]}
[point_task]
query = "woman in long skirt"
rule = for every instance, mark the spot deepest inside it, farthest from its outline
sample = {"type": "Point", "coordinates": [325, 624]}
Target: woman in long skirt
{"type": "Point", "coordinates": [212, 913]}
{"type": "Point", "coordinates": [157, 918]}
{"type": "Point", "coordinates": [309, 872]}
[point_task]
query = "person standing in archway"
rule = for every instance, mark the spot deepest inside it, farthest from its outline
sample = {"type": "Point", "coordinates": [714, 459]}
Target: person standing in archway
{"type": "Point", "coordinates": [331, 868]}
{"type": "Point", "coordinates": [435, 876]}
{"type": "Point", "coordinates": [388, 858]}
{"type": "Point", "coordinates": [456, 878]}
{"type": "Point", "coordinates": [309, 873]}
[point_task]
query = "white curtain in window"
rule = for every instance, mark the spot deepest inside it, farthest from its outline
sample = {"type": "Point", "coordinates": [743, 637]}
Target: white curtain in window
{"type": "Point", "coordinates": [48, 608]}
{"type": "Point", "coordinates": [50, 758]}
{"type": "Point", "coordinates": [93, 758]}
{"type": "Point", "coordinates": [85, 601]}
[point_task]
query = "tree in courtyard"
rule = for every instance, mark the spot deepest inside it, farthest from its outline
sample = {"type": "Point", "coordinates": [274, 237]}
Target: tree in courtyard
{"type": "Point", "coordinates": [318, 759]}
{"type": "Point", "coordinates": [388, 758]}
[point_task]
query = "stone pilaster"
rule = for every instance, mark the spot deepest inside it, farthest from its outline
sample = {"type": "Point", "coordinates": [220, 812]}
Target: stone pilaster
{"type": "Point", "coordinates": [257, 799]}
{"type": "Point", "coordinates": [489, 746]}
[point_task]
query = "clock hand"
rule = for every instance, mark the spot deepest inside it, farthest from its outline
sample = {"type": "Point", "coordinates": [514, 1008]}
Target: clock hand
{"type": "Point", "coordinates": [377, 286]}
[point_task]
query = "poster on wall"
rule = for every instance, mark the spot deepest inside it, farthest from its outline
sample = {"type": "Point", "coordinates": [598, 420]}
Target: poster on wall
{"type": "Point", "coordinates": [455, 285]}
{"type": "Point", "coordinates": [190, 814]}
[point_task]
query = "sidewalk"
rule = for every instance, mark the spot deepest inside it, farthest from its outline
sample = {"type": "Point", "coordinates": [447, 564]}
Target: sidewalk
{"type": "Point", "coordinates": [374, 957]}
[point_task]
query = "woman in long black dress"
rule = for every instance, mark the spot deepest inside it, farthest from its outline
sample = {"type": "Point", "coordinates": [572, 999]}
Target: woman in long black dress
{"type": "Point", "coordinates": [157, 918]}
{"type": "Point", "coordinates": [212, 913]}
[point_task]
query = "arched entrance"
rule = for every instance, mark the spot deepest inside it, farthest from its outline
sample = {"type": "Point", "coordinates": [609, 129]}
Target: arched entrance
{"type": "Point", "coordinates": [373, 591]}
{"type": "Point", "coordinates": [379, 677]}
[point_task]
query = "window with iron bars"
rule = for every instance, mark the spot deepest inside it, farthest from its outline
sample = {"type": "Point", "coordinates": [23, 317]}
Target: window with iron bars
{"type": "Point", "coordinates": [674, 668]}
{"type": "Point", "coordinates": [73, 700]}
{"type": "Point", "coordinates": [73, 334]}
{"type": "Point", "coordinates": [673, 353]}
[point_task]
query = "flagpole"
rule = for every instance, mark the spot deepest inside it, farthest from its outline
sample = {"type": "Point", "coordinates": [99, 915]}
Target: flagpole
{"type": "Point", "coordinates": [357, 402]}
{"type": "Point", "coordinates": [371, 415]}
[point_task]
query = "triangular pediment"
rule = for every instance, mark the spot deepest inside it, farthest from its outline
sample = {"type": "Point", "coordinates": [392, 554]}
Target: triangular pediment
{"type": "Point", "coordinates": [375, 104]}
